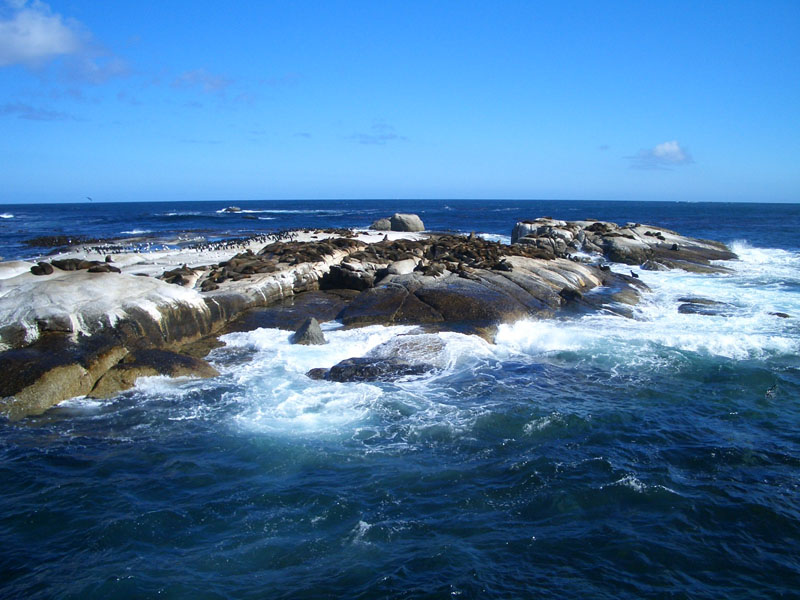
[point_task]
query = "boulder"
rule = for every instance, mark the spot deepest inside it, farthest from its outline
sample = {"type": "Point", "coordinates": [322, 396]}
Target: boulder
{"type": "Point", "coordinates": [309, 334]}
{"type": "Point", "coordinates": [406, 222]}
{"type": "Point", "coordinates": [369, 369]}
{"type": "Point", "coordinates": [402, 356]}
{"type": "Point", "coordinates": [381, 225]}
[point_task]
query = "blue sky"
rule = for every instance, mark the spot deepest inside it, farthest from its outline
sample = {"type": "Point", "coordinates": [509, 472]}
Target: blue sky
{"type": "Point", "coordinates": [171, 100]}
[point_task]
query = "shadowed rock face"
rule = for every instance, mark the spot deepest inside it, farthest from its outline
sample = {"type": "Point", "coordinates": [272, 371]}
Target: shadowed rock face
{"type": "Point", "coordinates": [147, 363]}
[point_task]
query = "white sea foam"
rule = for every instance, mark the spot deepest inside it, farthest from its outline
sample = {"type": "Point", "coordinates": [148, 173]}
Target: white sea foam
{"type": "Point", "coordinates": [763, 282]}
{"type": "Point", "coordinates": [6, 216]}
{"type": "Point", "coordinates": [242, 211]}
{"type": "Point", "coordinates": [136, 231]}
{"type": "Point", "coordinates": [281, 211]}
{"type": "Point", "coordinates": [634, 483]}
{"type": "Point", "coordinates": [542, 423]}
{"type": "Point", "coordinates": [496, 237]}
{"type": "Point", "coordinates": [272, 393]}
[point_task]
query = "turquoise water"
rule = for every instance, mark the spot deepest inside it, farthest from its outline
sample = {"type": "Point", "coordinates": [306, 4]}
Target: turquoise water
{"type": "Point", "coordinates": [591, 456]}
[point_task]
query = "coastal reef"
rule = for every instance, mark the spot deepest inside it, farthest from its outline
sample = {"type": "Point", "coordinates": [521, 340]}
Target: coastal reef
{"type": "Point", "coordinates": [84, 324]}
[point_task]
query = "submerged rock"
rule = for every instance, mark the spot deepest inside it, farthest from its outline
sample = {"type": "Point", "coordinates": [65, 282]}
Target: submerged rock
{"type": "Point", "coordinates": [704, 306]}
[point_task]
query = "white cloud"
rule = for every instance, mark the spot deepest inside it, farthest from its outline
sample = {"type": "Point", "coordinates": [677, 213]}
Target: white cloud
{"type": "Point", "coordinates": [32, 35]}
{"type": "Point", "coordinates": [662, 156]}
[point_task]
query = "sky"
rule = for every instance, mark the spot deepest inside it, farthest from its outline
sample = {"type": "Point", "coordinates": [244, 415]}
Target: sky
{"type": "Point", "coordinates": [596, 100]}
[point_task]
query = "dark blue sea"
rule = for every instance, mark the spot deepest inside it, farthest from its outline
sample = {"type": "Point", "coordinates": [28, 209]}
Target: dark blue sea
{"type": "Point", "coordinates": [590, 456]}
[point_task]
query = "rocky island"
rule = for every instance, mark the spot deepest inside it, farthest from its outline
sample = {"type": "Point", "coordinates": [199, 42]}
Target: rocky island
{"type": "Point", "coordinates": [85, 322]}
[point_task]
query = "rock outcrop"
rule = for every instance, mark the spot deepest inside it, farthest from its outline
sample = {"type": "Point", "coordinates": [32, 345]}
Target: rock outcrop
{"type": "Point", "coordinates": [653, 248]}
{"type": "Point", "coordinates": [88, 327]}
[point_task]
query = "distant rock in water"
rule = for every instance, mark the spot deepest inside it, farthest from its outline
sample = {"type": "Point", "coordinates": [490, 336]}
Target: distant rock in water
{"type": "Point", "coordinates": [704, 306]}
{"type": "Point", "coordinates": [309, 334]}
{"type": "Point", "coordinates": [399, 222]}
{"type": "Point", "coordinates": [232, 209]}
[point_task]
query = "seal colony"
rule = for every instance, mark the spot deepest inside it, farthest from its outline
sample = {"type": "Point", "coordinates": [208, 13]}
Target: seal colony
{"type": "Point", "coordinates": [83, 324]}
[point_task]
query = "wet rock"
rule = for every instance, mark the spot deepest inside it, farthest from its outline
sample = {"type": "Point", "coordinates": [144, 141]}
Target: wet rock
{"type": "Point", "coordinates": [148, 363]}
{"type": "Point", "coordinates": [317, 373]}
{"type": "Point", "coordinates": [699, 300]}
{"type": "Point", "coordinates": [570, 294]}
{"type": "Point", "coordinates": [781, 315]}
{"type": "Point", "coordinates": [309, 334]}
{"type": "Point", "coordinates": [652, 265]}
{"type": "Point", "coordinates": [53, 369]}
{"type": "Point", "coordinates": [704, 306]}
{"type": "Point", "coordinates": [403, 356]}
{"type": "Point", "coordinates": [373, 369]}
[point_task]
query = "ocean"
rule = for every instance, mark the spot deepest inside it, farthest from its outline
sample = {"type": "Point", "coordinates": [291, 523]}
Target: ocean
{"type": "Point", "coordinates": [591, 456]}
